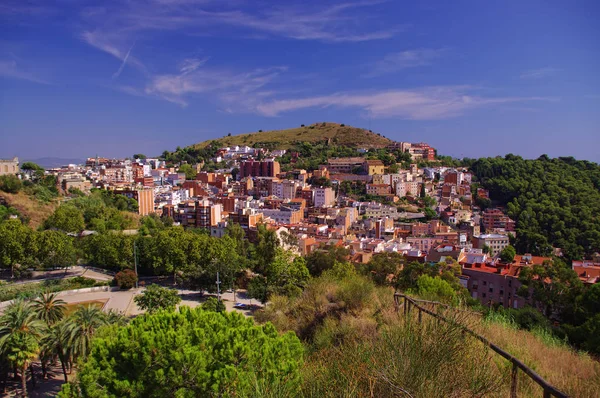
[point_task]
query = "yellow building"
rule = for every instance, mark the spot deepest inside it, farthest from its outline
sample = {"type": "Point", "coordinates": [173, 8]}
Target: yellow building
{"type": "Point", "coordinates": [374, 167]}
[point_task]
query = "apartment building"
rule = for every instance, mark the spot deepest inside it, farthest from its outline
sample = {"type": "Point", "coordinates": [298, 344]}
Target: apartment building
{"type": "Point", "coordinates": [324, 197]}
{"type": "Point", "coordinates": [494, 219]}
{"type": "Point", "coordinates": [496, 242]}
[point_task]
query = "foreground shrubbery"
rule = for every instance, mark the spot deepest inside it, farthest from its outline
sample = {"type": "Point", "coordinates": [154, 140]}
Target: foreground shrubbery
{"type": "Point", "coordinates": [190, 353]}
{"type": "Point", "coordinates": [359, 346]}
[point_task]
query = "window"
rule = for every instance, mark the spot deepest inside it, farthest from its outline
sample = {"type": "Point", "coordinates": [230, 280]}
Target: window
{"type": "Point", "coordinates": [484, 283]}
{"type": "Point", "coordinates": [483, 295]}
{"type": "Point", "coordinates": [501, 292]}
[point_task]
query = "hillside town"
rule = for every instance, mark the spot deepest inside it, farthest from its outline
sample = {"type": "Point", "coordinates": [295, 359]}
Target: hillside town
{"type": "Point", "coordinates": [428, 214]}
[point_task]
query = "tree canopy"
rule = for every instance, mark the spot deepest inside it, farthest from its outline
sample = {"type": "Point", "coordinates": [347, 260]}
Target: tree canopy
{"type": "Point", "coordinates": [555, 202]}
{"type": "Point", "coordinates": [188, 353]}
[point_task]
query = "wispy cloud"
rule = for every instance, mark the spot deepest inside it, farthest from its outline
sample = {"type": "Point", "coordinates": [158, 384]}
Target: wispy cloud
{"type": "Point", "coordinates": [540, 73]}
{"type": "Point", "coordinates": [405, 59]}
{"type": "Point", "coordinates": [11, 69]}
{"type": "Point", "coordinates": [429, 103]}
{"type": "Point", "coordinates": [331, 23]}
{"type": "Point", "coordinates": [194, 79]}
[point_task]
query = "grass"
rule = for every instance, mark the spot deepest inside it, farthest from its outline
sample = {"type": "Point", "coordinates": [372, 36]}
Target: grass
{"type": "Point", "coordinates": [11, 291]}
{"type": "Point", "coordinates": [573, 372]}
{"type": "Point", "coordinates": [357, 345]}
{"type": "Point", "coordinates": [283, 139]}
{"type": "Point", "coordinates": [29, 207]}
{"type": "Point", "coordinates": [72, 307]}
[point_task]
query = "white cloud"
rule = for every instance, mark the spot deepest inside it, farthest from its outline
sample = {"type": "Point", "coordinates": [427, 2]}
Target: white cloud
{"type": "Point", "coordinates": [194, 79]}
{"type": "Point", "coordinates": [10, 69]}
{"type": "Point", "coordinates": [428, 103]}
{"type": "Point", "coordinates": [540, 73]}
{"type": "Point", "coordinates": [405, 59]}
{"type": "Point", "coordinates": [331, 23]}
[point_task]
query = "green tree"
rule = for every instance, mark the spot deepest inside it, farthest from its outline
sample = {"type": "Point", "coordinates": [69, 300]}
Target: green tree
{"type": "Point", "coordinates": [384, 267]}
{"type": "Point", "coordinates": [190, 353]}
{"type": "Point", "coordinates": [17, 244]}
{"type": "Point", "coordinates": [552, 286]}
{"type": "Point", "coordinates": [258, 288]}
{"type": "Point", "coordinates": [190, 172]}
{"type": "Point", "coordinates": [435, 288]}
{"type": "Point", "coordinates": [507, 255]}
{"type": "Point", "coordinates": [66, 218]}
{"type": "Point", "coordinates": [20, 332]}
{"type": "Point", "coordinates": [266, 249]}
{"type": "Point", "coordinates": [324, 258]}
{"type": "Point", "coordinates": [139, 156]}
{"type": "Point", "coordinates": [55, 249]}
{"type": "Point", "coordinates": [156, 297]}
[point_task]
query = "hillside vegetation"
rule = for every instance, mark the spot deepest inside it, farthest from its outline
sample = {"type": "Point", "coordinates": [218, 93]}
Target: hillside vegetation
{"type": "Point", "coordinates": [357, 346]}
{"type": "Point", "coordinates": [29, 207]}
{"type": "Point", "coordinates": [555, 202]}
{"type": "Point", "coordinates": [334, 133]}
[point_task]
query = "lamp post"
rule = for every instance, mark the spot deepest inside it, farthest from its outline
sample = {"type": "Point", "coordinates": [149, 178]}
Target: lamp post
{"type": "Point", "coordinates": [135, 264]}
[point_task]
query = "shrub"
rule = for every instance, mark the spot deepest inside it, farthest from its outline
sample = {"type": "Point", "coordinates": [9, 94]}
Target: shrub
{"type": "Point", "coordinates": [156, 297]}
{"type": "Point", "coordinates": [10, 183]}
{"type": "Point", "coordinates": [214, 305]}
{"type": "Point", "coordinates": [126, 279]}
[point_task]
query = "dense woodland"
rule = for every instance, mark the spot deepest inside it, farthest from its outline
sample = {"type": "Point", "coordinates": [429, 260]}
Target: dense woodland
{"type": "Point", "coordinates": [555, 202]}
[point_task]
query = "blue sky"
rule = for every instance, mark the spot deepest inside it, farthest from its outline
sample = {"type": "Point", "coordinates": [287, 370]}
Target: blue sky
{"type": "Point", "coordinates": [472, 78]}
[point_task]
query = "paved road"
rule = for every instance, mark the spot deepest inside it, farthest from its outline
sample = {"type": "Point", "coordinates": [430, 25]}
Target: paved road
{"type": "Point", "coordinates": [122, 300]}
{"type": "Point", "coordinates": [71, 272]}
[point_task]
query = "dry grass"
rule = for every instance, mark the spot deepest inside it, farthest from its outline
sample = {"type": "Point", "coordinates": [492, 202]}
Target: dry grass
{"type": "Point", "coordinates": [572, 372]}
{"type": "Point", "coordinates": [30, 207]}
{"type": "Point", "coordinates": [72, 307]}
{"type": "Point", "coordinates": [359, 346]}
{"type": "Point", "coordinates": [283, 139]}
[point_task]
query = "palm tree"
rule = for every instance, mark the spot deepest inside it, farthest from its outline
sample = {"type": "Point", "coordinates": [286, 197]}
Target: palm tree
{"type": "Point", "coordinates": [49, 308]}
{"type": "Point", "coordinates": [55, 343]}
{"type": "Point", "coordinates": [20, 331]}
{"type": "Point", "coordinates": [81, 328]}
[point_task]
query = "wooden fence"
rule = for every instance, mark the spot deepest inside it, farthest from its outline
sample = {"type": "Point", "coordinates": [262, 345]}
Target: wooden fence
{"type": "Point", "coordinates": [410, 302]}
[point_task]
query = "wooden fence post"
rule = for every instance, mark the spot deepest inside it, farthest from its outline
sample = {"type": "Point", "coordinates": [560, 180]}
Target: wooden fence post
{"type": "Point", "coordinates": [513, 381]}
{"type": "Point", "coordinates": [420, 315]}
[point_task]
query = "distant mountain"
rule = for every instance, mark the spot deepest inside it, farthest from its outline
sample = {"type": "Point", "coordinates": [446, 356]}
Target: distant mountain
{"type": "Point", "coordinates": [50, 162]}
{"type": "Point", "coordinates": [333, 133]}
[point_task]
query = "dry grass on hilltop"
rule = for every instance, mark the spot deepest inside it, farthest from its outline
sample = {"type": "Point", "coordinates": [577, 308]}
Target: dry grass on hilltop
{"type": "Point", "coordinates": [333, 132]}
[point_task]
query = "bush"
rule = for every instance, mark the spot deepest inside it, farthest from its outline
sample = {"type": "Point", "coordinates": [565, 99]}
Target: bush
{"type": "Point", "coordinates": [10, 183]}
{"type": "Point", "coordinates": [126, 279]}
{"type": "Point", "coordinates": [214, 305]}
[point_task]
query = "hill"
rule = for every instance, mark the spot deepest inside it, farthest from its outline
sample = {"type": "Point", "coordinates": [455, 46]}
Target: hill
{"type": "Point", "coordinates": [29, 207]}
{"type": "Point", "coordinates": [333, 133]}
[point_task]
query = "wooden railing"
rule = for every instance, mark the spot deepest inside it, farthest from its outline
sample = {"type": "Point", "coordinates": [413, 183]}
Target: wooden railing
{"type": "Point", "coordinates": [409, 302]}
